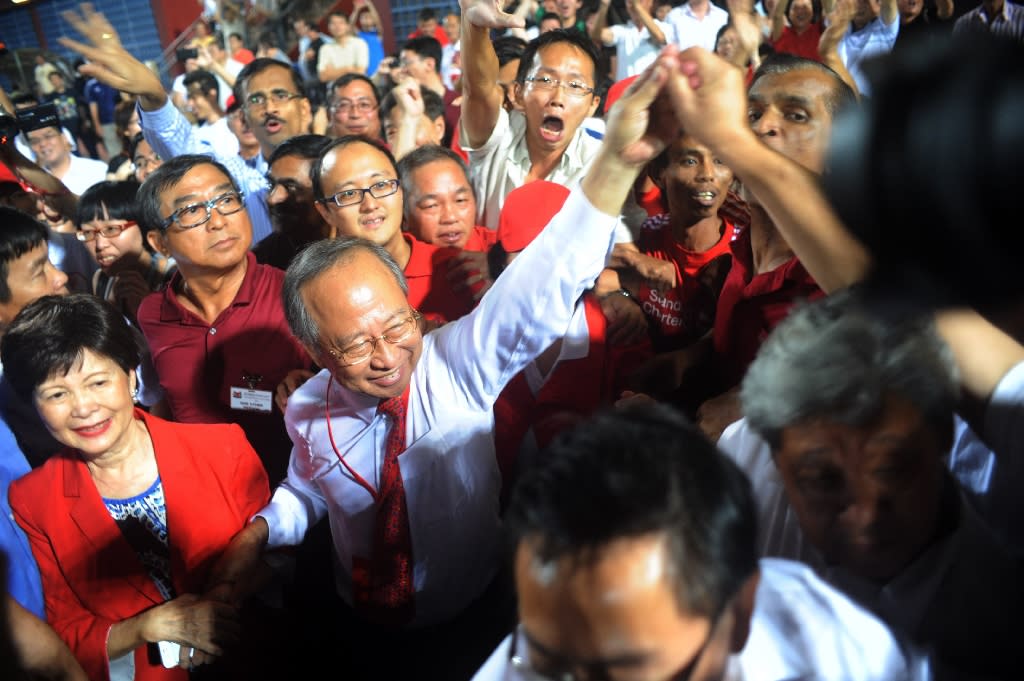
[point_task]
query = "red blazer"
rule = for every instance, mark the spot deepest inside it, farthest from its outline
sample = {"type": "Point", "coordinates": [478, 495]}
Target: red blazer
{"type": "Point", "coordinates": [213, 483]}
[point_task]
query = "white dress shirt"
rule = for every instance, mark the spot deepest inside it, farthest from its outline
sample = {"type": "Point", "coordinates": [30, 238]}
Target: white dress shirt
{"type": "Point", "coordinates": [801, 628]}
{"type": "Point", "coordinates": [688, 30]}
{"type": "Point", "coordinates": [449, 469]}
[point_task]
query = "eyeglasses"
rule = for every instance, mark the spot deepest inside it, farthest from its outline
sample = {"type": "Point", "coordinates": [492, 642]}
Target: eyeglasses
{"type": "Point", "coordinates": [258, 100]}
{"type": "Point", "coordinates": [45, 137]}
{"type": "Point", "coordinates": [196, 214]}
{"type": "Point", "coordinates": [106, 231]}
{"type": "Point", "coordinates": [591, 671]}
{"type": "Point", "coordinates": [350, 197]}
{"type": "Point", "coordinates": [573, 88]}
{"type": "Point", "coordinates": [143, 162]}
{"type": "Point", "coordinates": [357, 353]}
{"type": "Point", "coordinates": [363, 106]}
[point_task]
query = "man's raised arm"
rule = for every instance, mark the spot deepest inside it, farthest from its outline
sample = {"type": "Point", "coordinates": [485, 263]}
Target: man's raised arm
{"type": "Point", "coordinates": [711, 102]}
{"type": "Point", "coordinates": [481, 94]}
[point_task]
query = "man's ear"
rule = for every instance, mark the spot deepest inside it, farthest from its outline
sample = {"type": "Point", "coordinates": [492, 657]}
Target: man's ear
{"type": "Point", "coordinates": [743, 611]}
{"type": "Point", "coordinates": [158, 242]}
{"type": "Point", "coordinates": [325, 215]}
{"type": "Point", "coordinates": [307, 114]}
{"type": "Point", "coordinates": [438, 125]}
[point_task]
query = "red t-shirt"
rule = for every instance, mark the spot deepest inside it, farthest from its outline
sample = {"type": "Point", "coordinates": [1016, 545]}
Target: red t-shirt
{"type": "Point", "coordinates": [248, 345]}
{"type": "Point", "coordinates": [439, 33]}
{"type": "Point", "coordinates": [680, 316]}
{"type": "Point", "coordinates": [481, 239]}
{"type": "Point", "coordinates": [801, 44]}
{"type": "Point", "coordinates": [430, 292]}
{"type": "Point", "coordinates": [750, 306]}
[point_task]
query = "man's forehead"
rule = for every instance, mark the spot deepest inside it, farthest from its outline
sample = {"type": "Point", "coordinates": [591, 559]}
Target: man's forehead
{"type": "Point", "coordinates": [443, 168]}
{"type": "Point", "coordinates": [563, 57]}
{"type": "Point", "coordinates": [355, 90]}
{"type": "Point", "coordinates": [356, 160]}
{"type": "Point", "coordinates": [210, 176]}
{"type": "Point", "coordinates": [273, 76]}
{"type": "Point", "coordinates": [799, 83]}
{"type": "Point", "coordinates": [292, 167]}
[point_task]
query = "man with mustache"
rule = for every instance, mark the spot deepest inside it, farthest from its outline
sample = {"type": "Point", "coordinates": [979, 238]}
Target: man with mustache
{"type": "Point", "coordinates": [271, 94]}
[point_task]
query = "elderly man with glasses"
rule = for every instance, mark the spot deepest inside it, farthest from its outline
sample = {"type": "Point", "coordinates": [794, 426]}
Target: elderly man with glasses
{"type": "Point", "coordinates": [274, 104]}
{"type": "Point", "coordinates": [217, 331]}
{"type": "Point", "coordinates": [394, 438]}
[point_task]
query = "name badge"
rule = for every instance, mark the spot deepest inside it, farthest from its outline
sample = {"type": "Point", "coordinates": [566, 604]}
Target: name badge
{"type": "Point", "coordinates": [248, 399]}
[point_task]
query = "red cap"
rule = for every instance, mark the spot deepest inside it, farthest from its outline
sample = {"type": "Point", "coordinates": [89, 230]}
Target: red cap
{"type": "Point", "coordinates": [528, 210]}
{"type": "Point", "coordinates": [616, 90]}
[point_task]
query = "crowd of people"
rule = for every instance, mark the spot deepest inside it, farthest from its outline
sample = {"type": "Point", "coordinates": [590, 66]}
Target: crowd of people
{"type": "Point", "coordinates": [562, 343]}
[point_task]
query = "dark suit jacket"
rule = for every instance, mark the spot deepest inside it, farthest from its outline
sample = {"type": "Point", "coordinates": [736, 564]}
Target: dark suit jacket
{"type": "Point", "coordinates": [213, 483]}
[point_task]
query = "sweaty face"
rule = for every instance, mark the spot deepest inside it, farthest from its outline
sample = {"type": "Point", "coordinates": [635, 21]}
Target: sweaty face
{"type": "Point", "coordinates": [273, 122]}
{"type": "Point", "coordinates": [614, 618]}
{"type": "Point", "coordinates": [696, 182]}
{"type": "Point", "coordinates": [360, 166]}
{"type": "Point", "coordinates": [788, 112]}
{"type": "Point", "coordinates": [866, 497]}
{"type": "Point", "coordinates": [354, 111]}
{"type": "Point", "coordinates": [442, 210]}
{"type": "Point", "coordinates": [290, 200]}
{"type": "Point", "coordinates": [552, 114]}
{"type": "Point", "coordinates": [29, 278]}
{"type": "Point", "coordinates": [355, 301]}
{"type": "Point", "coordinates": [218, 244]}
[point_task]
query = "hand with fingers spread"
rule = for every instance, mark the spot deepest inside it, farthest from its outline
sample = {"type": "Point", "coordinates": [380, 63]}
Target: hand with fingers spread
{"type": "Point", "coordinates": [489, 14]}
{"type": "Point", "coordinates": [108, 61]}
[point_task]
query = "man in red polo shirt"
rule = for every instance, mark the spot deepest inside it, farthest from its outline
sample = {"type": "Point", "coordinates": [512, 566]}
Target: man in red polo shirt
{"type": "Point", "coordinates": [440, 209]}
{"type": "Point", "coordinates": [358, 193]}
{"type": "Point", "coordinates": [217, 332]}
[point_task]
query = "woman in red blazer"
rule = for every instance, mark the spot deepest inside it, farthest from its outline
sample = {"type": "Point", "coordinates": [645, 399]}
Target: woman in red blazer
{"type": "Point", "coordinates": [127, 521]}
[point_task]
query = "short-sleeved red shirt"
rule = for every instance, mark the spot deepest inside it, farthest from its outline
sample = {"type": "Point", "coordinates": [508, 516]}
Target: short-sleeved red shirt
{"type": "Point", "coordinates": [199, 363]}
{"type": "Point", "coordinates": [430, 292]}
{"type": "Point", "coordinates": [801, 44]}
{"type": "Point", "coordinates": [750, 306]}
{"type": "Point", "coordinates": [481, 239]}
{"type": "Point", "coordinates": [681, 315]}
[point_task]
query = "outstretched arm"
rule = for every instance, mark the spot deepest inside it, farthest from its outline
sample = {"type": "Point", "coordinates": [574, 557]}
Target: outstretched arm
{"type": "Point", "coordinates": [599, 31]}
{"type": "Point", "coordinates": [481, 94]}
{"type": "Point", "coordinates": [648, 22]}
{"type": "Point", "coordinates": [828, 47]}
{"type": "Point", "coordinates": [710, 100]}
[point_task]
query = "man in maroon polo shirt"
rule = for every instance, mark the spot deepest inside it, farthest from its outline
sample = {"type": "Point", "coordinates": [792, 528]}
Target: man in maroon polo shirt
{"type": "Point", "coordinates": [217, 332]}
{"type": "Point", "coordinates": [358, 193]}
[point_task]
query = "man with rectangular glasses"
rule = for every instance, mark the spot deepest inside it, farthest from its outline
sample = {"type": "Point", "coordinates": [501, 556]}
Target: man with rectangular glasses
{"type": "Point", "coordinates": [393, 440]}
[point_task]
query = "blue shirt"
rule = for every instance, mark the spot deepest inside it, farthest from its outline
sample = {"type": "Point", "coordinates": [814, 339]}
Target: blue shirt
{"type": "Point", "coordinates": [105, 98]}
{"type": "Point", "coordinates": [23, 581]}
{"type": "Point", "coordinates": [372, 39]}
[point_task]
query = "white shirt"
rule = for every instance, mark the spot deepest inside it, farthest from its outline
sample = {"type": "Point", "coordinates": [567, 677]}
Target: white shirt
{"type": "Point", "coordinates": [224, 90]}
{"type": "Point", "coordinates": [449, 470]}
{"type": "Point", "coordinates": [801, 628]}
{"type": "Point", "coordinates": [855, 47]}
{"type": "Point", "coordinates": [634, 48]}
{"type": "Point", "coordinates": [83, 173]}
{"type": "Point", "coordinates": [218, 138]}
{"type": "Point", "coordinates": [502, 163]}
{"type": "Point", "coordinates": [688, 30]}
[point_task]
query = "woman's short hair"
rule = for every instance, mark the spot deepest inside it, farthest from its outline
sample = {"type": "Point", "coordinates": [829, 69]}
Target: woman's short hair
{"type": "Point", "coordinates": [116, 199]}
{"type": "Point", "coordinates": [50, 336]}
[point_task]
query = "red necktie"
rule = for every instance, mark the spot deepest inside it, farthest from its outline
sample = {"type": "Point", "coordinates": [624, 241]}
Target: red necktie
{"type": "Point", "coordinates": [386, 595]}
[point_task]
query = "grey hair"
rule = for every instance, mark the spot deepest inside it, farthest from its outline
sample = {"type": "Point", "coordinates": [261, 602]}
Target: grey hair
{"type": "Point", "coordinates": [313, 261]}
{"type": "Point", "coordinates": [421, 156]}
{"type": "Point", "coordinates": [835, 359]}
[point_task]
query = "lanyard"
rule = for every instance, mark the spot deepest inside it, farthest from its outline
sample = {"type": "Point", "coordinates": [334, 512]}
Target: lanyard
{"type": "Point", "coordinates": [330, 434]}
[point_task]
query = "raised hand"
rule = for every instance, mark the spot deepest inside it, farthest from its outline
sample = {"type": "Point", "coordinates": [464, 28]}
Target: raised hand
{"type": "Point", "coordinates": [109, 62]}
{"type": "Point", "coordinates": [640, 124]}
{"type": "Point", "coordinates": [489, 14]}
{"type": "Point", "coordinates": [709, 98]}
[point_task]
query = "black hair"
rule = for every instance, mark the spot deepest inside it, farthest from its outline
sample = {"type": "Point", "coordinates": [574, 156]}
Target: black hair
{"type": "Point", "coordinates": [841, 97]}
{"type": "Point", "coordinates": [426, 14]}
{"type": "Point", "coordinates": [638, 471]}
{"type": "Point", "coordinates": [349, 78]}
{"type": "Point", "coordinates": [304, 146]}
{"type": "Point", "coordinates": [50, 335]}
{"type": "Point", "coordinates": [421, 156]}
{"type": "Point", "coordinates": [206, 81]}
{"type": "Point", "coordinates": [167, 176]}
{"type": "Point", "coordinates": [508, 48]}
{"type": "Point", "coordinates": [316, 170]}
{"type": "Point", "coordinates": [550, 16]}
{"type": "Point", "coordinates": [580, 41]}
{"type": "Point", "coordinates": [267, 39]}
{"type": "Point", "coordinates": [133, 144]}
{"type": "Point", "coordinates": [433, 104]}
{"type": "Point", "coordinates": [426, 47]}
{"type": "Point", "coordinates": [258, 66]}
{"type": "Point", "coordinates": [815, 10]}
{"type": "Point", "coordinates": [117, 199]}
{"type": "Point", "coordinates": [237, 36]}
{"type": "Point", "coordinates": [21, 233]}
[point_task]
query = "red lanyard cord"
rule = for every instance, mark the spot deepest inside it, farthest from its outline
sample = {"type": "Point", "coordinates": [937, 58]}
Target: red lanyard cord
{"type": "Point", "coordinates": [330, 434]}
